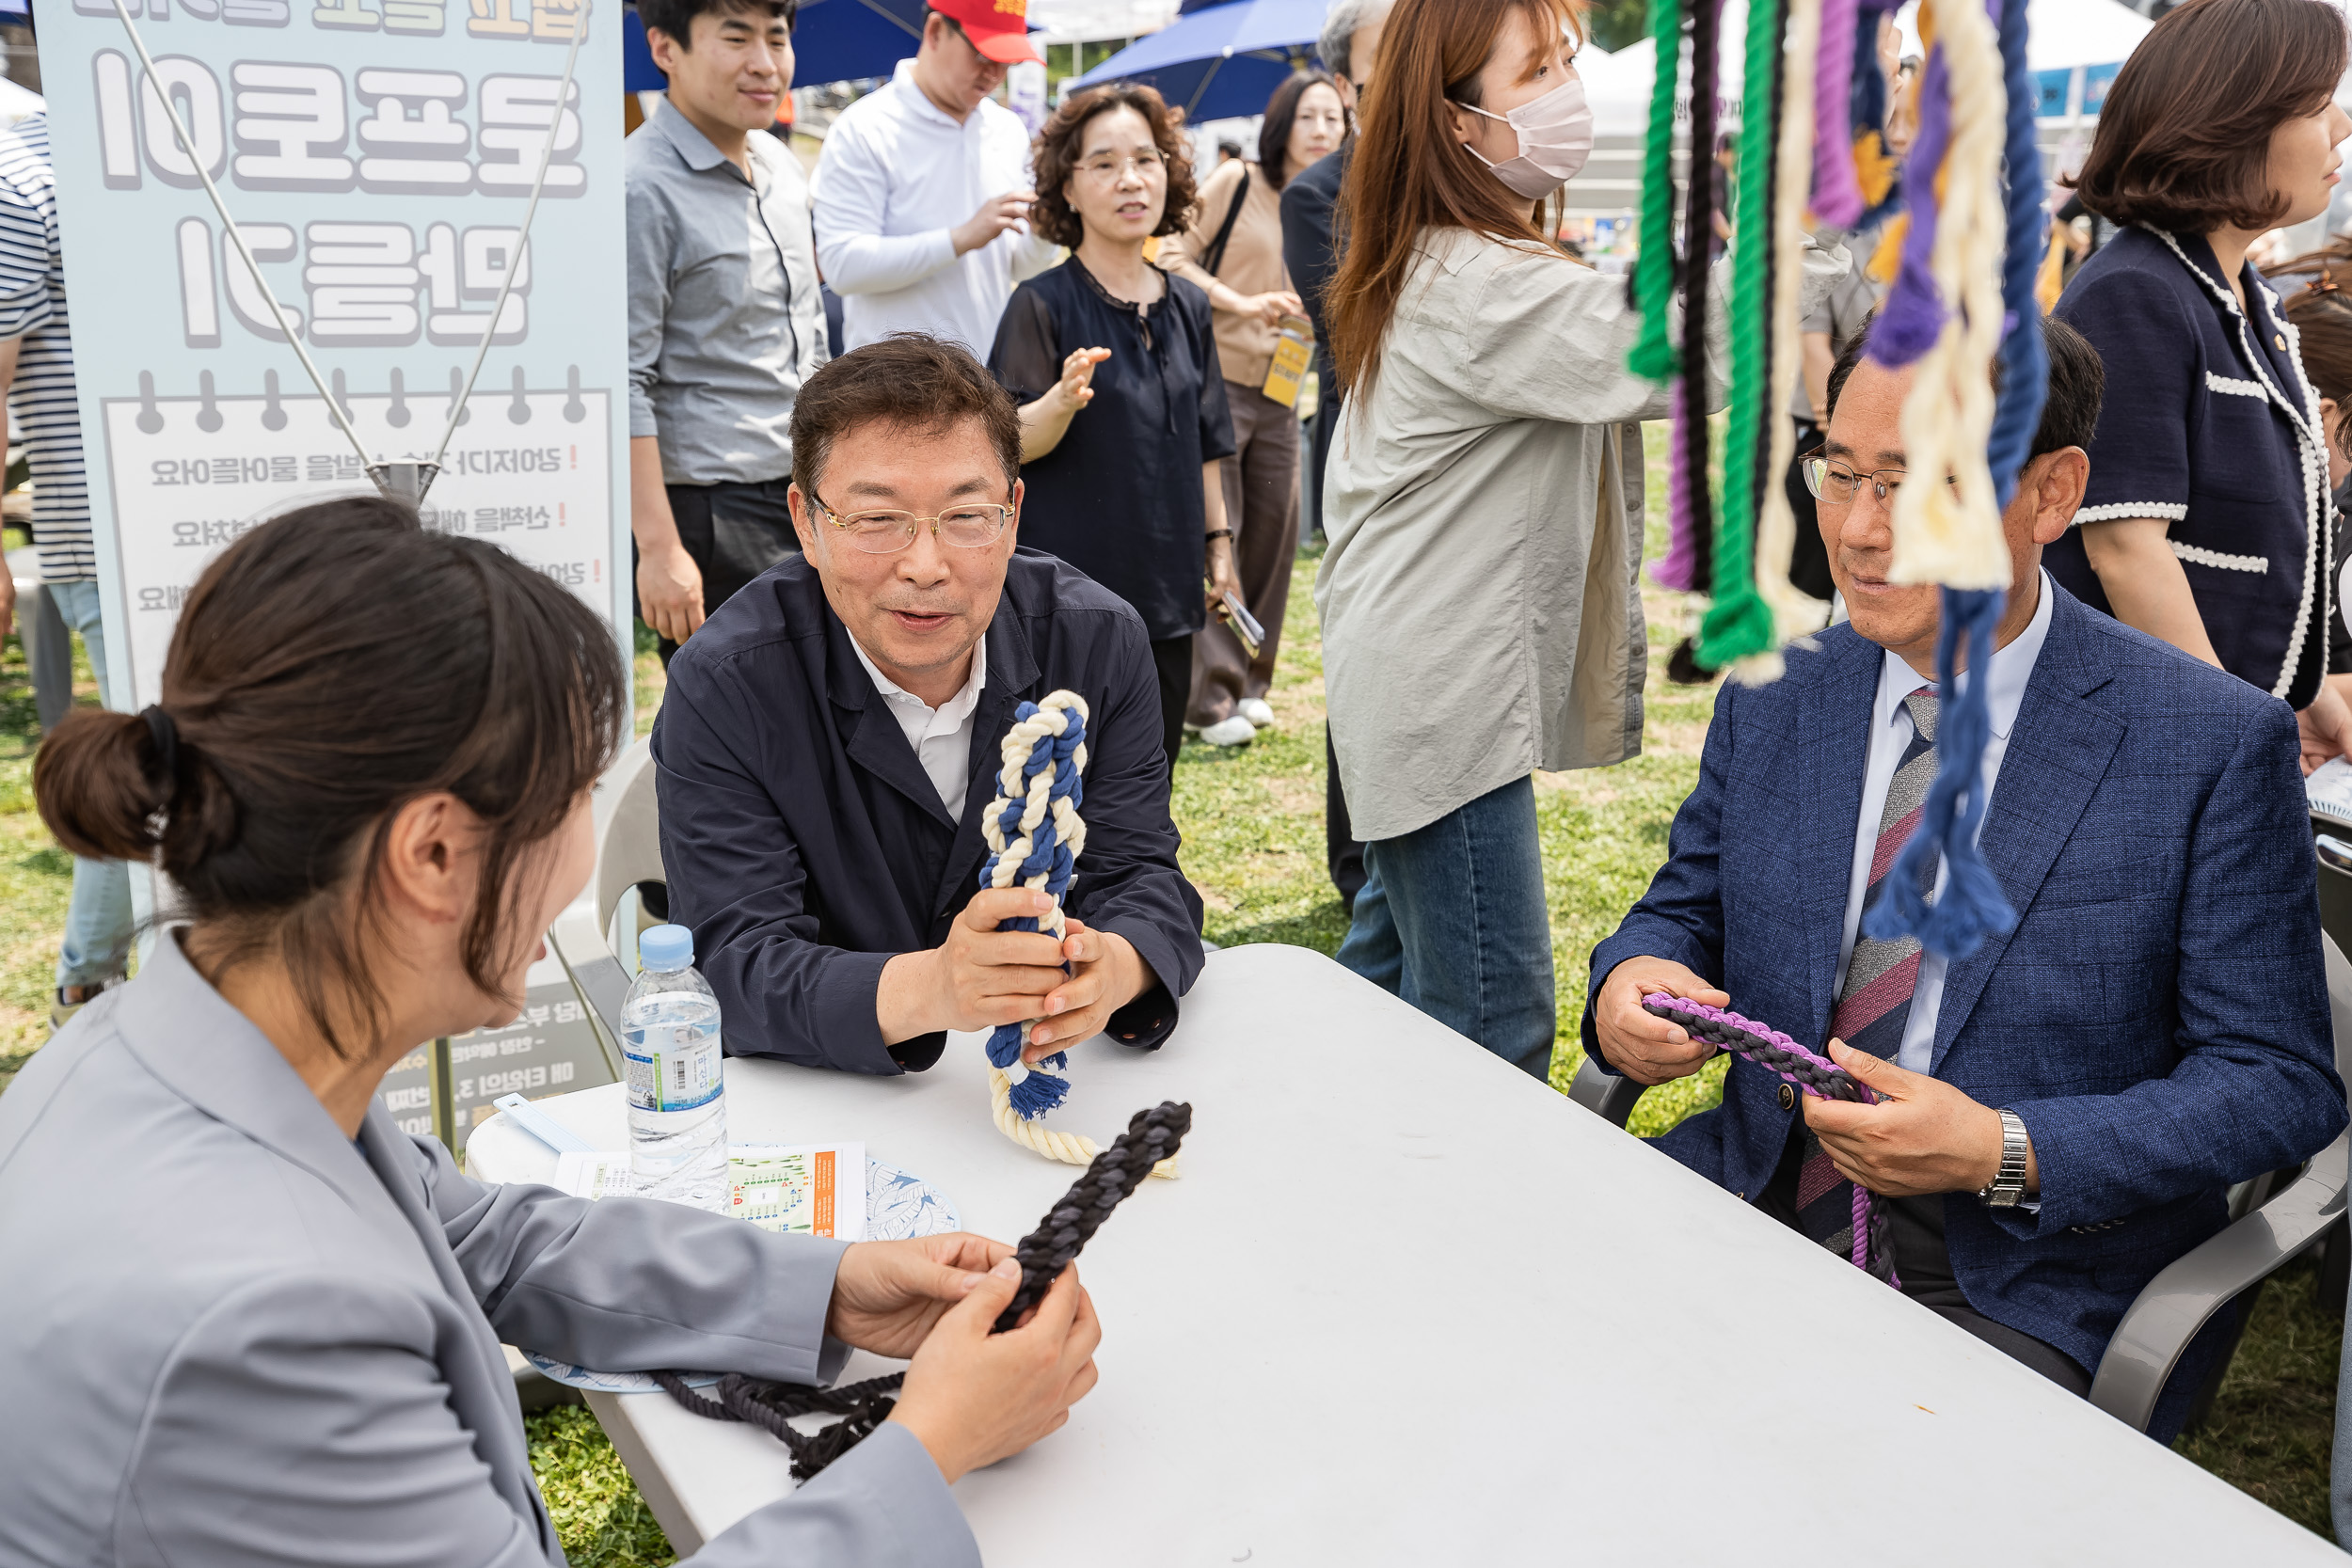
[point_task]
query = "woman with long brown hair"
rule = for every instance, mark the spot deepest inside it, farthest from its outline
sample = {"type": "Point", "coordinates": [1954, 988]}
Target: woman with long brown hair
{"type": "Point", "coordinates": [1480, 618]}
{"type": "Point", "coordinates": [256, 1322]}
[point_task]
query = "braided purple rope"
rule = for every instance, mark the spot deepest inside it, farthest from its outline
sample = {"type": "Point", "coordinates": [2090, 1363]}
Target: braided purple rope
{"type": "Point", "coordinates": [1873, 1250]}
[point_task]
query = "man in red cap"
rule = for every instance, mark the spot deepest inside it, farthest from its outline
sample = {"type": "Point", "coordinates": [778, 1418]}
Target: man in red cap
{"type": "Point", "coordinates": [923, 189]}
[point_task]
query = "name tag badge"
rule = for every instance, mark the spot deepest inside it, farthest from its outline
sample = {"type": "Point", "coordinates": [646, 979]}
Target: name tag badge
{"type": "Point", "coordinates": [1292, 353]}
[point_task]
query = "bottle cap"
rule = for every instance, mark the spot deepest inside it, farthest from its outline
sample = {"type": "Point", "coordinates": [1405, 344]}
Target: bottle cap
{"type": "Point", "coordinates": [663, 948]}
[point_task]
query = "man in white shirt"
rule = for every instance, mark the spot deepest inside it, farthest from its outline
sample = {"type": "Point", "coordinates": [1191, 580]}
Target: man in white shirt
{"type": "Point", "coordinates": [829, 860]}
{"type": "Point", "coordinates": [923, 188]}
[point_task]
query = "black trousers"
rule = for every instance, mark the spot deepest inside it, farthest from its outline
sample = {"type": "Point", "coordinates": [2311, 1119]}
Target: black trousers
{"type": "Point", "coordinates": [732, 531]}
{"type": "Point", "coordinates": [1172, 657]}
{"type": "Point", "coordinates": [1343, 851]}
{"type": "Point", "coordinates": [1923, 1268]}
{"type": "Point", "coordinates": [1341, 846]}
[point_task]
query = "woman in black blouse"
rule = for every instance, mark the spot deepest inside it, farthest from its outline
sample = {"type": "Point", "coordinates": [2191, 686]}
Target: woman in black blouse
{"type": "Point", "coordinates": [1123, 418]}
{"type": "Point", "coordinates": [2207, 522]}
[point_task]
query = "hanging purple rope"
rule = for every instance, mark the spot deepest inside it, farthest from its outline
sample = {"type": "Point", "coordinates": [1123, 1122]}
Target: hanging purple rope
{"type": "Point", "coordinates": [1913, 316]}
{"type": "Point", "coordinates": [1678, 568]}
{"type": "Point", "coordinates": [1837, 198]}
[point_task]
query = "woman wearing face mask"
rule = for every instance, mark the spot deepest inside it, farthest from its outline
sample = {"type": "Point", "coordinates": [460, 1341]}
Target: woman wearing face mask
{"type": "Point", "coordinates": [1480, 618]}
{"type": "Point", "coordinates": [1123, 422]}
{"type": "Point", "coordinates": [253, 1322]}
{"type": "Point", "coordinates": [1233, 251]}
{"type": "Point", "coordinates": [2206, 519]}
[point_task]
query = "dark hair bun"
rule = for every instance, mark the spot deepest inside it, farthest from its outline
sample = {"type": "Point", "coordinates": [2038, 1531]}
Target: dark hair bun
{"type": "Point", "coordinates": [95, 783]}
{"type": "Point", "coordinates": [330, 666]}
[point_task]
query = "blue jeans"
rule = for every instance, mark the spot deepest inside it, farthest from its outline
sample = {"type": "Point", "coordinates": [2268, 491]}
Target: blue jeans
{"type": "Point", "coordinates": [97, 943]}
{"type": "Point", "coordinates": [1452, 919]}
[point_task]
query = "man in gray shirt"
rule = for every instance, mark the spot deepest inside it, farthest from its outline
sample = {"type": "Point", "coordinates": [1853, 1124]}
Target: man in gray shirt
{"type": "Point", "coordinates": [724, 318]}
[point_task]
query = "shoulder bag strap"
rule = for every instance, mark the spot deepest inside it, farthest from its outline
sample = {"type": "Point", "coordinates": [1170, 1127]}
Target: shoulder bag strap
{"type": "Point", "coordinates": [1213, 257]}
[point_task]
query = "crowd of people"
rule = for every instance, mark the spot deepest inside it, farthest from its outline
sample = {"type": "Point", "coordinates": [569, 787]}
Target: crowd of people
{"type": "Point", "coordinates": [1052, 452]}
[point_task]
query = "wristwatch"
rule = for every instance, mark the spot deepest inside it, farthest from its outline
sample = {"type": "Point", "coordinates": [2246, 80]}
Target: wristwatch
{"type": "Point", "coordinates": [2009, 1182]}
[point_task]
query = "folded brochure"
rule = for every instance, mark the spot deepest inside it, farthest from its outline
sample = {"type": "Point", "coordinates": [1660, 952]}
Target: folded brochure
{"type": "Point", "coordinates": [797, 1189]}
{"type": "Point", "coordinates": [2328, 790]}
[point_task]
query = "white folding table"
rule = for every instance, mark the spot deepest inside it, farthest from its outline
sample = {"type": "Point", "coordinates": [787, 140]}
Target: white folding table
{"type": "Point", "coordinates": [1406, 1305]}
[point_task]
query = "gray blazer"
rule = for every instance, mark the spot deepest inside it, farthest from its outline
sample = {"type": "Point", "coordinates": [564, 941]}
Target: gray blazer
{"type": "Point", "coordinates": [238, 1338]}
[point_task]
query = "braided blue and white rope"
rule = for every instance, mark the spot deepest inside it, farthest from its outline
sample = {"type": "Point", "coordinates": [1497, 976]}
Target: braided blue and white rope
{"type": "Point", "coordinates": [1034, 835]}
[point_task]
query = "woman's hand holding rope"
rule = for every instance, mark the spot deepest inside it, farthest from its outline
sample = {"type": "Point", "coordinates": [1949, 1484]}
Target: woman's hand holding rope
{"type": "Point", "coordinates": [887, 1296]}
{"type": "Point", "coordinates": [973, 1397]}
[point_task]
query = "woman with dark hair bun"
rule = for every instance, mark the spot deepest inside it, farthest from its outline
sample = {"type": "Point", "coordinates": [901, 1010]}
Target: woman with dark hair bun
{"type": "Point", "coordinates": [2206, 521]}
{"type": "Point", "coordinates": [1124, 417]}
{"type": "Point", "coordinates": [253, 1322]}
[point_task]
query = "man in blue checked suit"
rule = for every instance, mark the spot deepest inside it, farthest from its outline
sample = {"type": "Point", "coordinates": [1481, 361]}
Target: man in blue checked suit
{"type": "Point", "coordinates": [2155, 1029]}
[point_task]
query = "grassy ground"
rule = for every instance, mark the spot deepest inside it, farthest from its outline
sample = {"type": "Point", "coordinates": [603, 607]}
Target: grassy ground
{"type": "Point", "coordinates": [1252, 821]}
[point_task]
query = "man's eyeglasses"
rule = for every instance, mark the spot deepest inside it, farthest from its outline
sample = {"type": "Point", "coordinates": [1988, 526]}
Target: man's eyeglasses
{"type": "Point", "coordinates": [1835, 483]}
{"type": "Point", "coordinates": [1106, 168]}
{"type": "Point", "coordinates": [973, 524]}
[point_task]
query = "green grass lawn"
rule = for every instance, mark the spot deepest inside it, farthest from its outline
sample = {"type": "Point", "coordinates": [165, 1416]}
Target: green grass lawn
{"type": "Point", "coordinates": [1252, 821]}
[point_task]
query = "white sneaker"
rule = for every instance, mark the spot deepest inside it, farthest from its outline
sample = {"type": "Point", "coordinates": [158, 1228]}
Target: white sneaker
{"type": "Point", "coordinates": [1255, 710]}
{"type": "Point", "coordinates": [1236, 730]}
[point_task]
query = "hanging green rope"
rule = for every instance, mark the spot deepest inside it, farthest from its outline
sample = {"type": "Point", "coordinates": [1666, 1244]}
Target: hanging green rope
{"type": "Point", "coordinates": [1738, 623]}
{"type": "Point", "coordinates": [1653, 353]}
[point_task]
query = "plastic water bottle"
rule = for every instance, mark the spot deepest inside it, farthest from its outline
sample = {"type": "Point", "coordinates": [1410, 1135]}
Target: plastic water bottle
{"type": "Point", "coordinates": [678, 1108]}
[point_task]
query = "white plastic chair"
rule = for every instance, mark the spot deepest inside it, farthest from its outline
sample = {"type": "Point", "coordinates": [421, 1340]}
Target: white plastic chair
{"type": "Point", "coordinates": [628, 823]}
{"type": "Point", "coordinates": [2275, 1219]}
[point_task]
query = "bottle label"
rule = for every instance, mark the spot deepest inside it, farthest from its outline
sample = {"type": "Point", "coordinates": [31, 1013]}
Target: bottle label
{"type": "Point", "coordinates": [670, 1073]}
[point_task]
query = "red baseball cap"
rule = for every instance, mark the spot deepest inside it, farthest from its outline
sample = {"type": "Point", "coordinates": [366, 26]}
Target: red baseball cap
{"type": "Point", "coordinates": [999, 29]}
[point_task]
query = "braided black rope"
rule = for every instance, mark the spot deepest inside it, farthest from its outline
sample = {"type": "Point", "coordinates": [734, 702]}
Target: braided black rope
{"type": "Point", "coordinates": [770, 1406]}
{"type": "Point", "coordinates": [1152, 1137]}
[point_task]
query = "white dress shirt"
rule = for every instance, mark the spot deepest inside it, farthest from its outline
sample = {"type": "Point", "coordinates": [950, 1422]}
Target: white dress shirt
{"type": "Point", "coordinates": [896, 175]}
{"type": "Point", "coordinates": [942, 737]}
{"type": "Point", "coordinates": [1890, 734]}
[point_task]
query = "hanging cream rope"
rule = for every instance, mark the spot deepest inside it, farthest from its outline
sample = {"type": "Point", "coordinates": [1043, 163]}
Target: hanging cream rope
{"type": "Point", "coordinates": [1794, 614]}
{"type": "Point", "coordinates": [1951, 533]}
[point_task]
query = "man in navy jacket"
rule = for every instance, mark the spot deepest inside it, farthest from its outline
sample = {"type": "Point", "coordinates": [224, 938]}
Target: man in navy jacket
{"type": "Point", "coordinates": [830, 739]}
{"type": "Point", "coordinates": [2157, 1022]}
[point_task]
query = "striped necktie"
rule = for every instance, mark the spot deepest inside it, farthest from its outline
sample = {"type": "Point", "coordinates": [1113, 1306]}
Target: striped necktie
{"type": "Point", "coordinates": [1874, 1003]}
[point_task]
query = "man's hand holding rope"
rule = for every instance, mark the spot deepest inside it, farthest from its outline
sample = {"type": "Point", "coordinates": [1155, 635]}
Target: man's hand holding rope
{"type": "Point", "coordinates": [1646, 1048]}
{"type": "Point", "coordinates": [1923, 1136]}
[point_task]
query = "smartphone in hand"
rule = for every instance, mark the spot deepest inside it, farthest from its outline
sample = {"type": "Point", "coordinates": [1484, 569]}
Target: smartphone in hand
{"type": "Point", "coordinates": [1244, 624]}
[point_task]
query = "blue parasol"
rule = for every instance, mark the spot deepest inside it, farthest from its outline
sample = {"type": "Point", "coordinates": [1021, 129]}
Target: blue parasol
{"type": "Point", "coordinates": [1219, 60]}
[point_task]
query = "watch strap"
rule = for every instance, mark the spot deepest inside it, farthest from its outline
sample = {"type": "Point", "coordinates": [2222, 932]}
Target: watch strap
{"type": "Point", "coordinates": [2009, 1182]}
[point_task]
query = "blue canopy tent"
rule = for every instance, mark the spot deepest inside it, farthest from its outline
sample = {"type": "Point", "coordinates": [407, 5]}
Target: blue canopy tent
{"type": "Point", "coordinates": [1220, 58]}
{"type": "Point", "coordinates": [833, 40]}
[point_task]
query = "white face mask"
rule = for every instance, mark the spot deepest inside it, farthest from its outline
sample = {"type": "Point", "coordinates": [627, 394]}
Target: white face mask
{"type": "Point", "coordinates": [1555, 133]}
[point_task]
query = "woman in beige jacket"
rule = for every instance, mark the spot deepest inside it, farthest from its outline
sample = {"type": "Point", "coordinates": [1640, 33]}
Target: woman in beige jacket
{"type": "Point", "coordinates": [1234, 249]}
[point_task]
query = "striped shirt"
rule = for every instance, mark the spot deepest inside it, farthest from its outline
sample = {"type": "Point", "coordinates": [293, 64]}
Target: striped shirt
{"type": "Point", "coordinates": [43, 406]}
